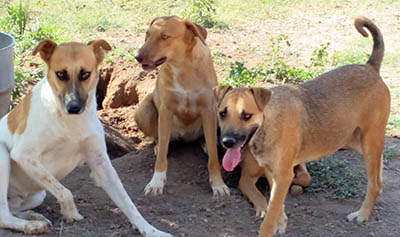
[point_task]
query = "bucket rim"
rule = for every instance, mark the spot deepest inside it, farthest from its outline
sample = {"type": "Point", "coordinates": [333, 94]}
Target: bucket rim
{"type": "Point", "coordinates": [12, 41]}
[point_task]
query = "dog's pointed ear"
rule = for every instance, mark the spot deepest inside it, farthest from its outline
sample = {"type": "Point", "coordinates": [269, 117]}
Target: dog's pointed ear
{"type": "Point", "coordinates": [197, 30]}
{"type": "Point", "coordinates": [46, 49]}
{"type": "Point", "coordinates": [220, 91]}
{"type": "Point", "coordinates": [99, 46]}
{"type": "Point", "coordinates": [261, 96]}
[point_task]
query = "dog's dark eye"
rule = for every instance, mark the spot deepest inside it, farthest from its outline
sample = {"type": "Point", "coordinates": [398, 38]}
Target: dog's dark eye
{"type": "Point", "coordinates": [83, 76]}
{"type": "Point", "coordinates": [222, 114]}
{"type": "Point", "coordinates": [246, 116]}
{"type": "Point", "coordinates": [164, 36]}
{"type": "Point", "coordinates": [62, 75]}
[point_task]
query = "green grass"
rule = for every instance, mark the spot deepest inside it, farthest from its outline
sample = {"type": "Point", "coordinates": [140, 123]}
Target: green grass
{"type": "Point", "coordinates": [335, 175]}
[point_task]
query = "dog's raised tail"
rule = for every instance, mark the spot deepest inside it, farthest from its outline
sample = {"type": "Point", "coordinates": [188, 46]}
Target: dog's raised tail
{"type": "Point", "coordinates": [378, 50]}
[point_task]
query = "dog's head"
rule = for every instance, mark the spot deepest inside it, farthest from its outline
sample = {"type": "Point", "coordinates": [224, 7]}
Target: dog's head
{"type": "Point", "coordinates": [240, 114]}
{"type": "Point", "coordinates": [72, 70]}
{"type": "Point", "coordinates": [167, 38]}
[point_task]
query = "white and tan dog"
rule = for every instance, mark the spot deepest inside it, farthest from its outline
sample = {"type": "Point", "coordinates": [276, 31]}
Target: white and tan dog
{"type": "Point", "coordinates": [54, 129]}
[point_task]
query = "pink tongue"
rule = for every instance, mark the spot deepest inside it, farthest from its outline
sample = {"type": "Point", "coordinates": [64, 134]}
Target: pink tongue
{"type": "Point", "coordinates": [231, 159]}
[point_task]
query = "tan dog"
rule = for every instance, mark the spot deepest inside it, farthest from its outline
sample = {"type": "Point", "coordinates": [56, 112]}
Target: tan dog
{"type": "Point", "coordinates": [54, 129]}
{"type": "Point", "coordinates": [182, 105]}
{"type": "Point", "coordinates": [288, 125]}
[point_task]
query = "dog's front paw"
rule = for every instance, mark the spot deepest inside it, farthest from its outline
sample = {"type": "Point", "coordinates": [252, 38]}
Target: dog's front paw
{"type": "Point", "coordinates": [156, 233]}
{"type": "Point", "coordinates": [156, 185]}
{"type": "Point", "coordinates": [72, 216]}
{"type": "Point", "coordinates": [280, 226]}
{"type": "Point", "coordinates": [36, 227]}
{"type": "Point", "coordinates": [220, 190]}
{"type": "Point", "coordinates": [361, 217]}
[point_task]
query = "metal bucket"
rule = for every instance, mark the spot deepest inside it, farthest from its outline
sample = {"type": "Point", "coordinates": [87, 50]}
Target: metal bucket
{"type": "Point", "coordinates": [6, 72]}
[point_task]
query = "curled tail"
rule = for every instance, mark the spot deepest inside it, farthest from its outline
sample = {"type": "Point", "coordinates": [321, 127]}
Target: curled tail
{"type": "Point", "coordinates": [375, 60]}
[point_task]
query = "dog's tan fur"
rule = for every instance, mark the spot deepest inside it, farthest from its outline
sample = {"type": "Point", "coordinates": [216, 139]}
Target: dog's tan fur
{"type": "Point", "coordinates": [348, 106]}
{"type": "Point", "coordinates": [182, 105]}
{"type": "Point", "coordinates": [18, 117]}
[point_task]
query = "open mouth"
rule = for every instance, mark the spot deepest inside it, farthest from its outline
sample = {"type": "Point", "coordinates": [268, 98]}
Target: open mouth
{"type": "Point", "coordinates": [233, 156]}
{"type": "Point", "coordinates": [152, 66]}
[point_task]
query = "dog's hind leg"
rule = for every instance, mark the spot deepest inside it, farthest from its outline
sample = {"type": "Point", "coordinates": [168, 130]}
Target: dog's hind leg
{"type": "Point", "coordinates": [33, 201]}
{"type": "Point", "coordinates": [7, 220]}
{"type": "Point", "coordinates": [146, 117]}
{"type": "Point", "coordinates": [372, 144]}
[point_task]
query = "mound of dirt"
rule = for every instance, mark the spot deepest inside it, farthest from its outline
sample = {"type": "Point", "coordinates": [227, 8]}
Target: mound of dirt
{"type": "Point", "coordinates": [122, 85]}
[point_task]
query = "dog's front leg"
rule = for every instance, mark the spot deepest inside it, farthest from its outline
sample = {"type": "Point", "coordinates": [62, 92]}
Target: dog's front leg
{"type": "Point", "coordinates": [35, 170]}
{"type": "Point", "coordinates": [209, 120]}
{"type": "Point", "coordinates": [156, 185]}
{"type": "Point", "coordinates": [105, 176]}
{"type": "Point", "coordinates": [275, 219]}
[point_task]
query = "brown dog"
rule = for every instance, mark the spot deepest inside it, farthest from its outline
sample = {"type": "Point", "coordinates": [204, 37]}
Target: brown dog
{"type": "Point", "coordinates": [289, 125]}
{"type": "Point", "coordinates": [182, 105]}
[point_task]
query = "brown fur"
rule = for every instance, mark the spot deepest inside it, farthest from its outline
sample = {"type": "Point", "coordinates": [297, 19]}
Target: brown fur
{"type": "Point", "coordinates": [182, 105]}
{"type": "Point", "coordinates": [348, 106]}
{"type": "Point", "coordinates": [18, 118]}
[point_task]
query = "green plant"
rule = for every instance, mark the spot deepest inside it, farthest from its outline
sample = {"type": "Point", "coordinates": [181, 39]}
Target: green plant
{"type": "Point", "coordinates": [241, 76]}
{"type": "Point", "coordinates": [201, 12]}
{"type": "Point", "coordinates": [334, 175]}
{"type": "Point", "coordinates": [16, 18]}
{"type": "Point", "coordinates": [389, 154]}
{"type": "Point", "coordinates": [28, 32]}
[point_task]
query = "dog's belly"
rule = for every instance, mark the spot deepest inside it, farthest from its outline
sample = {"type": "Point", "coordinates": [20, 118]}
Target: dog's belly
{"type": "Point", "coordinates": [184, 131]}
{"type": "Point", "coordinates": [59, 161]}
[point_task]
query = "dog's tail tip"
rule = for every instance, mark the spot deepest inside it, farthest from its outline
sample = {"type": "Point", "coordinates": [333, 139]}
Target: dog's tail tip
{"type": "Point", "coordinates": [376, 57]}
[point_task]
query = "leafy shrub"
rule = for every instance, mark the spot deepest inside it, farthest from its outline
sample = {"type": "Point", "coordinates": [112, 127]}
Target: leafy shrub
{"type": "Point", "coordinates": [201, 12]}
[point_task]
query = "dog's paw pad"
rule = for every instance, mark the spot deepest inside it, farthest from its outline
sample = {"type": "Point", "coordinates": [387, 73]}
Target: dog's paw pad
{"type": "Point", "coordinates": [36, 227]}
{"type": "Point", "coordinates": [221, 190]}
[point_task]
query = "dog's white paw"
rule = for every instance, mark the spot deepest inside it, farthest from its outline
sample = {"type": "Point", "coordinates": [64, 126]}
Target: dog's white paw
{"type": "Point", "coordinates": [156, 185]}
{"type": "Point", "coordinates": [359, 215]}
{"type": "Point", "coordinates": [156, 233]}
{"type": "Point", "coordinates": [220, 190]}
{"type": "Point", "coordinates": [72, 216]}
{"type": "Point", "coordinates": [31, 215]}
{"type": "Point", "coordinates": [36, 227]}
{"type": "Point", "coordinates": [281, 223]}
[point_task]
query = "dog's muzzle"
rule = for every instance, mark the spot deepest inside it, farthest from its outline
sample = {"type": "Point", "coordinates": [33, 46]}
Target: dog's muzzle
{"type": "Point", "coordinates": [74, 104]}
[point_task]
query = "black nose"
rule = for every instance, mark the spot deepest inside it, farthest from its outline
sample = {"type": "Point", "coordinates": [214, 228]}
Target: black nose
{"type": "Point", "coordinates": [228, 142]}
{"type": "Point", "coordinates": [73, 108]}
{"type": "Point", "coordinates": [139, 57]}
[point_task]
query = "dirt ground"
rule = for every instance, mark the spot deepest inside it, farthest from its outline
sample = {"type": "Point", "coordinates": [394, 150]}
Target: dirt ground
{"type": "Point", "coordinates": [187, 207]}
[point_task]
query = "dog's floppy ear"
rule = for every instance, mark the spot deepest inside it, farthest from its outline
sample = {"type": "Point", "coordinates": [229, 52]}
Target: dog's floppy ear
{"type": "Point", "coordinates": [98, 48]}
{"type": "Point", "coordinates": [197, 30]}
{"type": "Point", "coordinates": [220, 91]}
{"type": "Point", "coordinates": [46, 49]}
{"type": "Point", "coordinates": [261, 96]}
